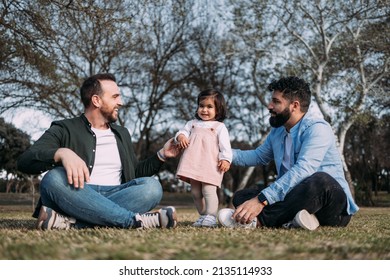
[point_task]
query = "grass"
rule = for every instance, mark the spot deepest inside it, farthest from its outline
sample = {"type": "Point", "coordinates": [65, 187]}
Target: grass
{"type": "Point", "coordinates": [367, 237]}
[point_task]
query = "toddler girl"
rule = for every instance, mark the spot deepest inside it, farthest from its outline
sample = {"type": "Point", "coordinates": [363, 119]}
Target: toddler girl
{"type": "Point", "coordinates": [207, 154]}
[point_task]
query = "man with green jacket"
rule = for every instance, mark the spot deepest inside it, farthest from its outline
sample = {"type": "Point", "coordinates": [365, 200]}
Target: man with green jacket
{"type": "Point", "coordinates": [94, 177]}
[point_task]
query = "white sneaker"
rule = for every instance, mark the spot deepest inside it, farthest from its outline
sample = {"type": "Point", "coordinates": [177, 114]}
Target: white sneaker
{"type": "Point", "coordinates": [49, 219]}
{"type": "Point", "coordinates": [163, 218]}
{"type": "Point", "coordinates": [198, 222]}
{"type": "Point", "coordinates": [303, 219]}
{"type": "Point", "coordinates": [225, 219]}
{"type": "Point", "coordinates": [209, 221]}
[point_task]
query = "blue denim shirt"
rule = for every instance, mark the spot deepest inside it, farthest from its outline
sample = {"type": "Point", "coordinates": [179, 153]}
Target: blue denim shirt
{"type": "Point", "coordinates": [314, 149]}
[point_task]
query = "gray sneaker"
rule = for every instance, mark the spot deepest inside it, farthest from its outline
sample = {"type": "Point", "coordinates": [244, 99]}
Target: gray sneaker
{"type": "Point", "coordinates": [209, 221]}
{"type": "Point", "coordinates": [303, 219]}
{"type": "Point", "coordinates": [163, 218]}
{"type": "Point", "coordinates": [198, 222]}
{"type": "Point", "coordinates": [225, 219]}
{"type": "Point", "coordinates": [49, 219]}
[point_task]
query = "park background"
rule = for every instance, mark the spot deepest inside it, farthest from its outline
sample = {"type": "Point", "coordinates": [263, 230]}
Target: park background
{"type": "Point", "coordinates": [163, 53]}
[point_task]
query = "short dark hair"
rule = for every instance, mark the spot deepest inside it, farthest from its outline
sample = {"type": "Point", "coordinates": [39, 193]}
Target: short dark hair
{"type": "Point", "coordinates": [91, 86]}
{"type": "Point", "coordinates": [220, 103]}
{"type": "Point", "coordinates": [293, 88]}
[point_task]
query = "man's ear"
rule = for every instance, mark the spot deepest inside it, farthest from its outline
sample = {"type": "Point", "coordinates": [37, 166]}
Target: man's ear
{"type": "Point", "coordinates": [95, 101]}
{"type": "Point", "coordinates": [296, 105]}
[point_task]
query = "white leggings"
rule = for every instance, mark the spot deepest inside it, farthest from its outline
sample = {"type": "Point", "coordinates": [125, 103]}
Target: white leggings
{"type": "Point", "coordinates": [205, 198]}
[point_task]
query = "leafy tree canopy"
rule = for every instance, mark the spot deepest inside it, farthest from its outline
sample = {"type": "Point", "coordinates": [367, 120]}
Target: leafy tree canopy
{"type": "Point", "coordinates": [13, 142]}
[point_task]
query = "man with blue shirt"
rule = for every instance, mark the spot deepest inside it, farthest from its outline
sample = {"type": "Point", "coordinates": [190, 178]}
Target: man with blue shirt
{"type": "Point", "coordinates": [310, 189]}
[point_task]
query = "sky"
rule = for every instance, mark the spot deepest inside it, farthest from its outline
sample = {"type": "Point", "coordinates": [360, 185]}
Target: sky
{"type": "Point", "coordinates": [33, 122]}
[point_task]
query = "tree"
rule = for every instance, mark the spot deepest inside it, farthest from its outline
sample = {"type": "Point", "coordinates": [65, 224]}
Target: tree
{"type": "Point", "coordinates": [366, 152]}
{"type": "Point", "coordinates": [13, 142]}
{"type": "Point", "coordinates": [163, 52]}
{"type": "Point", "coordinates": [152, 85]}
{"type": "Point", "coordinates": [253, 59]}
{"type": "Point", "coordinates": [326, 25]}
{"type": "Point", "coordinates": [366, 60]}
{"type": "Point", "coordinates": [59, 45]}
{"type": "Point", "coordinates": [50, 47]}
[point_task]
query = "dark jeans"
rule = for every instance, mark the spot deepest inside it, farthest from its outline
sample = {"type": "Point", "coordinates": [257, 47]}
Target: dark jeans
{"type": "Point", "coordinates": [319, 194]}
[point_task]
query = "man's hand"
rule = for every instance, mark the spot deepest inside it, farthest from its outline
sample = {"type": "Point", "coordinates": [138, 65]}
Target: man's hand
{"type": "Point", "coordinates": [76, 169]}
{"type": "Point", "coordinates": [247, 211]}
{"type": "Point", "coordinates": [170, 149]}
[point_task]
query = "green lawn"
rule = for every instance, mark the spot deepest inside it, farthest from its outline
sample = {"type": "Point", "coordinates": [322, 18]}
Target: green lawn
{"type": "Point", "coordinates": [367, 237]}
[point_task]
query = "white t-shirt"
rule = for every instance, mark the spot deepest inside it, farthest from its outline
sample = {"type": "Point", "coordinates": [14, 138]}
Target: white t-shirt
{"type": "Point", "coordinates": [286, 164]}
{"type": "Point", "coordinates": [107, 169]}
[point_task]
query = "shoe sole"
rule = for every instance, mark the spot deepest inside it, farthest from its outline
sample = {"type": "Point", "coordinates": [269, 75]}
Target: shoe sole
{"type": "Point", "coordinates": [220, 220]}
{"type": "Point", "coordinates": [209, 226]}
{"type": "Point", "coordinates": [42, 217]}
{"type": "Point", "coordinates": [197, 224]}
{"type": "Point", "coordinates": [306, 220]}
{"type": "Point", "coordinates": [233, 224]}
{"type": "Point", "coordinates": [172, 217]}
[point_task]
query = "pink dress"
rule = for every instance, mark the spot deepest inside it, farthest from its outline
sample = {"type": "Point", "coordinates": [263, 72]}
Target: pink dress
{"type": "Point", "coordinates": [200, 160]}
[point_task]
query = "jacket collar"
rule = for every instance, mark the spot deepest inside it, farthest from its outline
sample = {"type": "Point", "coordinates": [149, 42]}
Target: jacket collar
{"type": "Point", "coordinates": [87, 123]}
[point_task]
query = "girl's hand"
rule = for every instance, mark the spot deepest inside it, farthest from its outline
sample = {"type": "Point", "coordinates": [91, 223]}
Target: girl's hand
{"type": "Point", "coordinates": [183, 141]}
{"type": "Point", "coordinates": [223, 165]}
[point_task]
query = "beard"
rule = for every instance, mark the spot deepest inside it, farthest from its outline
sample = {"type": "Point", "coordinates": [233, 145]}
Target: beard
{"type": "Point", "coordinates": [280, 118]}
{"type": "Point", "coordinates": [110, 115]}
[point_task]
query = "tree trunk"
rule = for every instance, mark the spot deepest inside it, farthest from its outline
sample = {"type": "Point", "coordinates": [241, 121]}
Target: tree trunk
{"type": "Point", "coordinates": [246, 177]}
{"type": "Point", "coordinates": [340, 140]}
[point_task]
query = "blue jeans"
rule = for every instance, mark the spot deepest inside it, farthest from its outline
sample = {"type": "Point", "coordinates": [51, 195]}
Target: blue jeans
{"type": "Point", "coordinates": [94, 205]}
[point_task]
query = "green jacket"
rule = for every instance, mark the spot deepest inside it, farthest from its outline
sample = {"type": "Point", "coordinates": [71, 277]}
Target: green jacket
{"type": "Point", "coordinates": [76, 134]}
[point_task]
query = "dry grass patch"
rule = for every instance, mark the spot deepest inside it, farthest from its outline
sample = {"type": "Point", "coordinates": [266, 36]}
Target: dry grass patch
{"type": "Point", "coordinates": [367, 237]}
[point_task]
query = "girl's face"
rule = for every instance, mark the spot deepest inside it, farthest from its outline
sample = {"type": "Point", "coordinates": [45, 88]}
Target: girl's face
{"type": "Point", "coordinates": [206, 109]}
